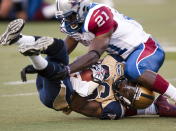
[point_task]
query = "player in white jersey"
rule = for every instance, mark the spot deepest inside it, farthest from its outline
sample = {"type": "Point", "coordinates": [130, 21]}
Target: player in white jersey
{"type": "Point", "coordinates": [103, 28]}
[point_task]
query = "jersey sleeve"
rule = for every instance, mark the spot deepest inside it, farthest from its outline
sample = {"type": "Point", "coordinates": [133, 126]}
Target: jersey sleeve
{"type": "Point", "coordinates": [101, 21]}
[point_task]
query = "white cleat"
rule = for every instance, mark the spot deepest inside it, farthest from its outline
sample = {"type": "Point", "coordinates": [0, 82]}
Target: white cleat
{"type": "Point", "coordinates": [12, 33]}
{"type": "Point", "coordinates": [35, 48]}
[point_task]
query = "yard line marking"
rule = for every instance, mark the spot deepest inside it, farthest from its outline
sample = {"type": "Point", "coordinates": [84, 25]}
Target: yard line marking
{"type": "Point", "coordinates": [19, 82]}
{"type": "Point", "coordinates": [172, 79]}
{"type": "Point", "coordinates": [21, 94]}
{"type": "Point", "coordinates": [169, 48]}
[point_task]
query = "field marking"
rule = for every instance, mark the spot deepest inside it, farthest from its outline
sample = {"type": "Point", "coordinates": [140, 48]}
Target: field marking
{"type": "Point", "coordinates": [20, 94]}
{"type": "Point", "coordinates": [169, 48]}
{"type": "Point", "coordinates": [19, 82]}
{"type": "Point", "coordinates": [171, 79]}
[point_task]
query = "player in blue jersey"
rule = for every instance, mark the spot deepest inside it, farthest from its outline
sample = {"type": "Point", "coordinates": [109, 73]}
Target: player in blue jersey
{"type": "Point", "coordinates": [55, 93]}
{"type": "Point", "coordinates": [103, 28]}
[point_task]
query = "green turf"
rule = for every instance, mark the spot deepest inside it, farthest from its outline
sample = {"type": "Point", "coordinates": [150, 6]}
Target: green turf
{"type": "Point", "coordinates": [26, 113]}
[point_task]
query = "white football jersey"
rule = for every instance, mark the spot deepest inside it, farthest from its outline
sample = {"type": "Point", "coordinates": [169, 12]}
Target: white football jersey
{"type": "Point", "coordinates": [127, 35]}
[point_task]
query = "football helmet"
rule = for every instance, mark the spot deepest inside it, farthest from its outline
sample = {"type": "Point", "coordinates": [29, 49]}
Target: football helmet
{"type": "Point", "coordinates": [71, 14]}
{"type": "Point", "coordinates": [132, 94]}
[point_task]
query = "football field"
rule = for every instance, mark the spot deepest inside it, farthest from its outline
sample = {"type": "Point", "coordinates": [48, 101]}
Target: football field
{"type": "Point", "coordinates": [20, 108]}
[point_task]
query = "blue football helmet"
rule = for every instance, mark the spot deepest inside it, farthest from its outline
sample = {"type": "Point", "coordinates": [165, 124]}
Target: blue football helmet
{"type": "Point", "coordinates": [71, 14]}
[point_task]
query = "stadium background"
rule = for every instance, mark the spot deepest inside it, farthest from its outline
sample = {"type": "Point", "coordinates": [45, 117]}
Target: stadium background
{"type": "Point", "coordinates": [20, 108]}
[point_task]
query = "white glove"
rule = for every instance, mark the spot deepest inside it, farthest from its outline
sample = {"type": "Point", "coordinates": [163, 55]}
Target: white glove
{"type": "Point", "coordinates": [98, 73]}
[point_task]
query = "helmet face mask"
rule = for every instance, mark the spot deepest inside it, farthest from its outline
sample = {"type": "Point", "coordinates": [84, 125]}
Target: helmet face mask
{"type": "Point", "coordinates": [71, 14]}
{"type": "Point", "coordinates": [71, 19]}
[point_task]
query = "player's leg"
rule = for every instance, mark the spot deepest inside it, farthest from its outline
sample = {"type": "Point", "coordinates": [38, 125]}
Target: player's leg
{"type": "Point", "coordinates": [151, 110]}
{"type": "Point", "coordinates": [142, 66]}
{"type": "Point", "coordinates": [56, 55]}
{"type": "Point", "coordinates": [160, 107]}
{"type": "Point", "coordinates": [56, 52]}
{"type": "Point", "coordinates": [12, 34]}
{"type": "Point", "coordinates": [164, 108]}
{"type": "Point", "coordinates": [32, 46]}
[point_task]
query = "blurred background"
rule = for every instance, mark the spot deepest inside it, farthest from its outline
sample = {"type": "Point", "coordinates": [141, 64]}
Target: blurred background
{"type": "Point", "coordinates": [20, 106]}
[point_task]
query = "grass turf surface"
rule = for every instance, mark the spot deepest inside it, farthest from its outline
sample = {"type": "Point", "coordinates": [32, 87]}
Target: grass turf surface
{"type": "Point", "coordinates": [21, 109]}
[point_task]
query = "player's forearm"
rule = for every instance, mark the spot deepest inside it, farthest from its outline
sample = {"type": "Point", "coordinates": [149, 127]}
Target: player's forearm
{"type": "Point", "coordinates": [70, 43]}
{"type": "Point", "coordinates": [85, 107]}
{"type": "Point", "coordinates": [84, 61]}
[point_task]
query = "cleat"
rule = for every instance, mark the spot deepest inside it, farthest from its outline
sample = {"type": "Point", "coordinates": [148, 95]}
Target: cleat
{"type": "Point", "coordinates": [35, 48]}
{"type": "Point", "coordinates": [12, 33]}
{"type": "Point", "coordinates": [165, 109]}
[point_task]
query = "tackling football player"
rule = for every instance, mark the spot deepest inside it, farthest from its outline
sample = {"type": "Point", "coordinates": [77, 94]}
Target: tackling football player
{"type": "Point", "coordinates": [103, 28]}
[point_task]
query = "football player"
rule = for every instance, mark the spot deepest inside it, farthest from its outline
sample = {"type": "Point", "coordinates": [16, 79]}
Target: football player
{"type": "Point", "coordinates": [103, 28]}
{"type": "Point", "coordinates": [55, 93]}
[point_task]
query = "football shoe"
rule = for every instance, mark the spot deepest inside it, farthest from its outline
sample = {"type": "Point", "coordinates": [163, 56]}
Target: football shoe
{"type": "Point", "coordinates": [30, 49]}
{"type": "Point", "coordinates": [165, 109]}
{"type": "Point", "coordinates": [12, 33]}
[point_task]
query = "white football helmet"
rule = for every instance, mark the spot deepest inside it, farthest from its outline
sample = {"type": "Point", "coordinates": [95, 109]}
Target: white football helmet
{"type": "Point", "coordinates": [71, 13]}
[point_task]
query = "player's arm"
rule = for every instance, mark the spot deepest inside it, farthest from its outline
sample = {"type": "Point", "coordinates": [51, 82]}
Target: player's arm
{"type": "Point", "coordinates": [71, 44]}
{"type": "Point", "coordinates": [102, 25]}
{"type": "Point", "coordinates": [96, 49]}
{"type": "Point", "coordinates": [83, 106]}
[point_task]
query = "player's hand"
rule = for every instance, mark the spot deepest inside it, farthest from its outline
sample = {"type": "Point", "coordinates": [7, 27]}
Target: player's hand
{"type": "Point", "coordinates": [29, 69]}
{"type": "Point", "coordinates": [62, 74]}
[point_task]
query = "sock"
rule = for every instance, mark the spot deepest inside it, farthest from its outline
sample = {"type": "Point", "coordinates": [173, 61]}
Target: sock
{"type": "Point", "coordinates": [38, 62]}
{"type": "Point", "coordinates": [26, 39]}
{"type": "Point", "coordinates": [151, 110]}
{"type": "Point", "coordinates": [160, 85]}
{"type": "Point", "coordinates": [163, 87]}
{"type": "Point", "coordinates": [171, 92]}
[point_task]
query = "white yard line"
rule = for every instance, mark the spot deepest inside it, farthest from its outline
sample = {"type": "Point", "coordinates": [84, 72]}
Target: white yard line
{"type": "Point", "coordinates": [171, 79]}
{"type": "Point", "coordinates": [19, 82]}
{"type": "Point", "coordinates": [169, 48]}
{"type": "Point", "coordinates": [21, 94]}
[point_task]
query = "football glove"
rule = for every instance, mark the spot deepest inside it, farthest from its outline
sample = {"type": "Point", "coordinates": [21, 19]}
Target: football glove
{"type": "Point", "coordinates": [29, 69]}
{"type": "Point", "coordinates": [62, 74]}
{"type": "Point", "coordinates": [99, 73]}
